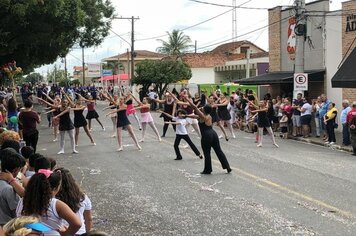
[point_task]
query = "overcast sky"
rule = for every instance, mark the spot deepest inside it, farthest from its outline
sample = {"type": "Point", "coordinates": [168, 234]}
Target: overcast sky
{"type": "Point", "coordinates": [156, 17]}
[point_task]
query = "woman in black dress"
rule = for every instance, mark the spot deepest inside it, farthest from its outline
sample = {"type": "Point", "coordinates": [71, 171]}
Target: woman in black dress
{"type": "Point", "coordinates": [123, 123]}
{"type": "Point", "coordinates": [214, 115]}
{"type": "Point", "coordinates": [65, 125]}
{"type": "Point", "coordinates": [209, 139]}
{"type": "Point", "coordinates": [79, 119]}
{"type": "Point", "coordinates": [223, 113]}
{"type": "Point", "coordinates": [169, 107]}
{"type": "Point", "coordinates": [263, 122]}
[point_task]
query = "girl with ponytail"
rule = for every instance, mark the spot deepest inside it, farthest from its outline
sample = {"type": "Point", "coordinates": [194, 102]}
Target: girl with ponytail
{"type": "Point", "coordinates": [40, 201]}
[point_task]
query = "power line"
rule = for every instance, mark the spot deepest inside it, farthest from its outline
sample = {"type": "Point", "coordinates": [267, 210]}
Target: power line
{"type": "Point", "coordinates": [120, 37]}
{"type": "Point", "coordinates": [202, 22]}
{"type": "Point", "coordinates": [241, 35]}
{"type": "Point", "coordinates": [222, 5]}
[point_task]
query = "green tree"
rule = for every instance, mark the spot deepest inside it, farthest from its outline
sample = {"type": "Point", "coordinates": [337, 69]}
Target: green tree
{"type": "Point", "coordinates": [34, 78]}
{"type": "Point", "coordinates": [57, 75]}
{"type": "Point", "coordinates": [114, 66]}
{"type": "Point", "coordinates": [37, 32]}
{"type": "Point", "coordinates": [177, 44]}
{"type": "Point", "coordinates": [161, 74]}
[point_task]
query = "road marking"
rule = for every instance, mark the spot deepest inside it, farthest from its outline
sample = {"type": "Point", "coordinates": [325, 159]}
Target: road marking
{"type": "Point", "coordinates": [274, 186]}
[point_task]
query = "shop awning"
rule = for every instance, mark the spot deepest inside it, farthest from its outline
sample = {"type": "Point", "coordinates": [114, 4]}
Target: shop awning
{"type": "Point", "coordinates": [281, 77]}
{"type": "Point", "coordinates": [345, 77]}
{"type": "Point", "coordinates": [114, 77]}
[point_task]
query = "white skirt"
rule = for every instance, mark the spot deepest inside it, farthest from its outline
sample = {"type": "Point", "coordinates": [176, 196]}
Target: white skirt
{"type": "Point", "coordinates": [146, 117]}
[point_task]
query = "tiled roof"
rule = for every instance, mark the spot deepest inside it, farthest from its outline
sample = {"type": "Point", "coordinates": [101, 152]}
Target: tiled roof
{"type": "Point", "coordinates": [230, 47]}
{"type": "Point", "coordinates": [204, 60]}
{"type": "Point", "coordinates": [139, 54]}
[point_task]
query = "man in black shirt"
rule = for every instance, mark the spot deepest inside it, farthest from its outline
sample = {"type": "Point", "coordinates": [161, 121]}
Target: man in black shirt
{"type": "Point", "coordinates": [297, 125]}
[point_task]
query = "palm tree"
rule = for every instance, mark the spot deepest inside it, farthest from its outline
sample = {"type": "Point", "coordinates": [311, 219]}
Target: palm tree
{"type": "Point", "coordinates": [115, 66]}
{"type": "Point", "coordinates": [177, 44]}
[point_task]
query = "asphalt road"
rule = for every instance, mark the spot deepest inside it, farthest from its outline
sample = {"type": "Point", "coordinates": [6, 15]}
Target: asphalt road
{"type": "Point", "coordinates": [297, 189]}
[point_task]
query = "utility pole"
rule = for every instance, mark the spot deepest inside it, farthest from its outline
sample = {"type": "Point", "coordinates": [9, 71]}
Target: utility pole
{"type": "Point", "coordinates": [133, 54]}
{"type": "Point", "coordinates": [234, 21]}
{"type": "Point", "coordinates": [65, 67]}
{"type": "Point", "coordinates": [300, 31]}
{"type": "Point", "coordinates": [83, 65]}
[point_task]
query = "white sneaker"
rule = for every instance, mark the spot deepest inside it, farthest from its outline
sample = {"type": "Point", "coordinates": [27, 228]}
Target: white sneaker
{"type": "Point", "coordinates": [141, 140]}
{"type": "Point", "coordinates": [55, 140]}
{"type": "Point", "coordinates": [275, 144]}
{"type": "Point", "coordinates": [234, 136]}
{"type": "Point", "coordinates": [94, 144]}
{"type": "Point", "coordinates": [75, 151]}
{"type": "Point", "coordinates": [113, 136]}
{"type": "Point", "coordinates": [120, 149]}
{"type": "Point", "coordinates": [220, 136]}
{"type": "Point", "coordinates": [331, 143]}
{"type": "Point", "coordinates": [259, 145]}
{"type": "Point", "coordinates": [60, 152]}
{"type": "Point", "coordinates": [103, 128]}
{"type": "Point", "coordinates": [327, 142]}
{"type": "Point", "coordinates": [159, 139]}
{"type": "Point", "coordinates": [139, 147]}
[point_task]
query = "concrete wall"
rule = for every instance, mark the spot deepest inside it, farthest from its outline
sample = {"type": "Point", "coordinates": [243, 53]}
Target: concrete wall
{"type": "Point", "coordinates": [202, 76]}
{"type": "Point", "coordinates": [314, 55]}
{"type": "Point", "coordinates": [333, 55]}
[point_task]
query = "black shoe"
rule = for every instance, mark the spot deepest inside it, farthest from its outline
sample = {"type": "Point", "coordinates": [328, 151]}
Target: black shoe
{"type": "Point", "coordinates": [177, 159]}
{"type": "Point", "coordinates": [205, 173]}
{"type": "Point", "coordinates": [229, 170]}
{"type": "Point", "coordinates": [227, 139]}
{"type": "Point", "coordinates": [353, 154]}
{"type": "Point", "coordinates": [201, 156]}
{"type": "Point", "coordinates": [163, 136]}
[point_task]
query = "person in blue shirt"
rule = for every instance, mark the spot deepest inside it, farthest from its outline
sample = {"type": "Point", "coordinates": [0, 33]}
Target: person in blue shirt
{"type": "Point", "coordinates": [345, 125]}
{"type": "Point", "coordinates": [322, 112]}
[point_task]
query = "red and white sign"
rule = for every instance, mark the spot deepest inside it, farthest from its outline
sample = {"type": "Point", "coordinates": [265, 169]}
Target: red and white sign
{"type": "Point", "coordinates": [300, 82]}
{"type": "Point", "coordinates": [291, 42]}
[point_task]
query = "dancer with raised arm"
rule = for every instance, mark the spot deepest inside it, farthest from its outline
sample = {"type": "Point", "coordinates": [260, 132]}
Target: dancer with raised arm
{"type": "Point", "coordinates": [65, 125]}
{"type": "Point", "coordinates": [182, 133]}
{"type": "Point", "coordinates": [113, 102]}
{"type": "Point", "coordinates": [146, 117]}
{"type": "Point", "coordinates": [214, 116]}
{"type": "Point", "coordinates": [188, 109]}
{"type": "Point", "coordinates": [92, 114]}
{"type": "Point", "coordinates": [263, 122]}
{"type": "Point", "coordinates": [79, 119]}
{"type": "Point", "coordinates": [209, 139]}
{"type": "Point", "coordinates": [169, 108]}
{"type": "Point", "coordinates": [223, 113]}
{"type": "Point", "coordinates": [123, 122]}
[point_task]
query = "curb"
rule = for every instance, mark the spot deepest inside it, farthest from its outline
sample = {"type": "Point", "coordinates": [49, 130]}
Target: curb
{"type": "Point", "coordinates": [306, 140]}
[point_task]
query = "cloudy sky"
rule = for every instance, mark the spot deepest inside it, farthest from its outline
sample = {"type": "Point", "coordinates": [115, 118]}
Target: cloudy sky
{"type": "Point", "coordinates": [208, 25]}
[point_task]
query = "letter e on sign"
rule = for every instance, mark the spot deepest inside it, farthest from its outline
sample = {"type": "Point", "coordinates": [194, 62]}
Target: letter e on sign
{"type": "Point", "coordinates": [300, 82]}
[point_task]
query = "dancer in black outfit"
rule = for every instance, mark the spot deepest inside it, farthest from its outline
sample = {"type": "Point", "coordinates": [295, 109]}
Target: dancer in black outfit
{"type": "Point", "coordinates": [169, 107]}
{"type": "Point", "coordinates": [263, 122]}
{"type": "Point", "coordinates": [209, 139]}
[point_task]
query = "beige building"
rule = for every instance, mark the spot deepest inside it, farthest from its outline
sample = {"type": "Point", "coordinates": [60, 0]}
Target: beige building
{"type": "Point", "coordinates": [327, 42]}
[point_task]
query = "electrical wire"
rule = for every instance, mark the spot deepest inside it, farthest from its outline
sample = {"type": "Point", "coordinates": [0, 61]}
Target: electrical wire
{"type": "Point", "coordinates": [222, 5]}
{"type": "Point", "coordinates": [120, 37]}
{"type": "Point", "coordinates": [241, 35]}
{"type": "Point", "coordinates": [202, 22]}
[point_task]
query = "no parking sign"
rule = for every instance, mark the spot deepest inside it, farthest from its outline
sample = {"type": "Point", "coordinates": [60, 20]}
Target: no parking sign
{"type": "Point", "coordinates": [300, 82]}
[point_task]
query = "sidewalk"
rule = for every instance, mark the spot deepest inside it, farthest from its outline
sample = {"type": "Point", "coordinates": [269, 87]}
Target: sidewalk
{"type": "Point", "coordinates": [320, 141]}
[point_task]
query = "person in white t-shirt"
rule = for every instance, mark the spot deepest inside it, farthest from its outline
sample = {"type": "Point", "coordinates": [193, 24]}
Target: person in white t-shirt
{"type": "Point", "coordinates": [181, 133]}
{"type": "Point", "coordinates": [305, 117]}
{"type": "Point", "coordinates": [77, 200]}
